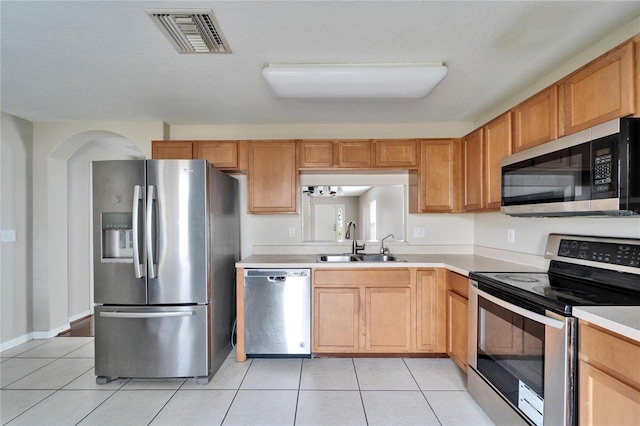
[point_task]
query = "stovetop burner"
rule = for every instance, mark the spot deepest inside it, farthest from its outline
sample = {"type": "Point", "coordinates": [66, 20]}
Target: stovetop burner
{"type": "Point", "coordinates": [523, 278]}
{"type": "Point", "coordinates": [565, 294]}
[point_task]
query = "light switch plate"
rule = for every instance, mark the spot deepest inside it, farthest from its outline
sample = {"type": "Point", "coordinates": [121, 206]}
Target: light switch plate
{"type": "Point", "coordinates": [418, 232]}
{"type": "Point", "coordinates": [7, 235]}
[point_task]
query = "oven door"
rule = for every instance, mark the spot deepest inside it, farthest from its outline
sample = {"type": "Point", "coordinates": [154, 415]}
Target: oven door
{"type": "Point", "coordinates": [525, 356]}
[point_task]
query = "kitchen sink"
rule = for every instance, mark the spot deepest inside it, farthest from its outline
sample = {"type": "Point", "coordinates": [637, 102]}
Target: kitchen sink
{"type": "Point", "coordinates": [347, 257]}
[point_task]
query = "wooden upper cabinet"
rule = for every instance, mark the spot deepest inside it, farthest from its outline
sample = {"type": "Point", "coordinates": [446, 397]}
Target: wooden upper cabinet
{"type": "Point", "coordinates": [172, 150]}
{"type": "Point", "coordinates": [434, 187]}
{"type": "Point", "coordinates": [472, 164]}
{"type": "Point", "coordinates": [536, 120]}
{"type": "Point", "coordinates": [353, 154]}
{"type": "Point", "coordinates": [497, 144]}
{"type": "Point", "coordinates": [599, 91]}
{"type": "Point", "coordinates": [224, 155]}
{"type": "Point", "coordinates": [397, 154]}
{"type": "Point", "coordinates": [272, 177]}
{"type": "Point", "coordinates": [636, 78]}
{"type": "Point", "coordinates": [315, 154]}
{"type": "Point", "coordinates": [332, 154]}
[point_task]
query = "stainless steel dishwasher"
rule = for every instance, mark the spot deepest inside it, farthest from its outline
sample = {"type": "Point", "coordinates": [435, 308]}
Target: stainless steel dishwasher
{"type": "Point", "coordinates": [277, 312]}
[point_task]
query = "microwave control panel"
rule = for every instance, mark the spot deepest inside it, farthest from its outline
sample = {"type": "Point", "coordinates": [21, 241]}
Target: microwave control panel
{"type": "Point", "coordinates": [603, 164]}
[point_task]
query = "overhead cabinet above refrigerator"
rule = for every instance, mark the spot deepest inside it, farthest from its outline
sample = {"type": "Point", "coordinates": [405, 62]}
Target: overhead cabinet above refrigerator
{"type": "Point", "coordinates": [166, 239]}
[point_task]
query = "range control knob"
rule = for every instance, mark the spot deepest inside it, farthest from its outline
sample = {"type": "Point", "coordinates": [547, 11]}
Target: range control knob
{"type": "Point", "coordinates": [582, 255]}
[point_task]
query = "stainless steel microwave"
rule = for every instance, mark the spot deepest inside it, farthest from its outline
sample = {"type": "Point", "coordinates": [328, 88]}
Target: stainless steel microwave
{"type": "Point", "coordinates": [595, 172]}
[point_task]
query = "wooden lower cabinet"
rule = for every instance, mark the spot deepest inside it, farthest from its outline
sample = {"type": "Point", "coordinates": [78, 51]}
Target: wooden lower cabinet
{"type": "Point", "coordinates": [608, 378]}
{"type": "Point", "coordinates": [431, 311]}
{"type": "Point", "coordinates": [387, 318]}
{"type": "Point", "coordinates": [336, 319]}
{"type": "Point", "coordinates": [390, 310]}
{"type": "Point", "coordinates": [457, 318]}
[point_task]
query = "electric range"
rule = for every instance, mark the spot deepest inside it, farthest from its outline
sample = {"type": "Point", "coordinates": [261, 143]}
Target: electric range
{"type": "Point", "coordinates": [522, 332]}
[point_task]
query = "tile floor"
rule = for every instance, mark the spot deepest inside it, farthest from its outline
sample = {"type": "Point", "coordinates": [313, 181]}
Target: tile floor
{"type": "Point", "coordinates": [51, 382]}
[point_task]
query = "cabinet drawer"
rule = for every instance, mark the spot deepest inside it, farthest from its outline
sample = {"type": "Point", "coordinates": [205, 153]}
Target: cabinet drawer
{"type": "Point", "coordinates": [614, 354]}
{"type": "Point", "coordinates": [350, 277]}
{"type": "Point", "coordinates": [458, 283]}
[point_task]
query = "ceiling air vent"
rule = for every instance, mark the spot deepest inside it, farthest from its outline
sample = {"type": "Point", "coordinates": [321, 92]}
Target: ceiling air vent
{"type": "Point", "coordinates": [191, 30]}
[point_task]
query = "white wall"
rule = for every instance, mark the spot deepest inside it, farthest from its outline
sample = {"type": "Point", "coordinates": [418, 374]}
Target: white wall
{"type": "Point", "coordinates": [15, 214]}
{"type": "Point", "coordinates": [490, 230]}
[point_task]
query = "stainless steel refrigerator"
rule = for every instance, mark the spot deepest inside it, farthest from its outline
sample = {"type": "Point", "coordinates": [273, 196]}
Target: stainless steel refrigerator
{"type": "Point", "coordinates": [166, 238]}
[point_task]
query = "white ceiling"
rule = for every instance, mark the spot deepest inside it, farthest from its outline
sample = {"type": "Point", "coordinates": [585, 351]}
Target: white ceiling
{"type": "Point", "coordinates": [106, 60]}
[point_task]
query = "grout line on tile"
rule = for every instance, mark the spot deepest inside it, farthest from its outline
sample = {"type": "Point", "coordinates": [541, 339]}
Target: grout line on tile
{"type": "Point", "coordinates": [235, 395]}
{"type": "Point", "coordinates": [52, 360]}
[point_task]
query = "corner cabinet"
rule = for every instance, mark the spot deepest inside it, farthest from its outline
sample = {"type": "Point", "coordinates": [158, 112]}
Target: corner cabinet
{"type": "Point", "coordinates": [600, 91]}
{"type": "Point", "coordinates": [457, 318]}
{"type": "Point", "coordinates": [435, 185]}
{"type": "Point", "coordinates": [482, 151]}
{"type": "Point", "coordinates": [472, 164]}
{"type": "Point", "coordinates": [272, 177]}
{"type": "Point", "coordinates": [608, 377]}
{"type": "Point", "coordinates": [377, 310]}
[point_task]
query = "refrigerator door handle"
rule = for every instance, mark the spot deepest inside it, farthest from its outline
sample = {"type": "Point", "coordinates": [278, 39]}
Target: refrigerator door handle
{"type": "Point", "coordinates": [139, 315]}
{"type": "Point", "coordinates": [138, 267]}
{"type": "Point", "coordinates": [151, 199]}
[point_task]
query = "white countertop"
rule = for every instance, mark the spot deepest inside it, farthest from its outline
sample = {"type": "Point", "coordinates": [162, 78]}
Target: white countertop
{"type": "Point", "coordinates": [624, 320]}
{"type": "Point", "coordinates": [460, 263]}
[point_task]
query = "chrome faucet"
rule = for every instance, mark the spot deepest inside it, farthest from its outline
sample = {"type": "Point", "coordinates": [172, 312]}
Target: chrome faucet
{"type": "Point", "coordinates": [354, 245]}
{"type": "Point", "coordinates": [384, 249]}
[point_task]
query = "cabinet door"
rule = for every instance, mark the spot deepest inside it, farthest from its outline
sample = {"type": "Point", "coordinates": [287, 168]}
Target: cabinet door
{"type": "Point", "coordinates": [536, 120]}
{"type": "Point", "coordinates": [272, 177]}
{"type": "Point", "coordinates": [335, 320]}
{"type": "Point", "coordinates": [399, 154]}
{"type": "Point", "coordinates": [172, 150]}
{"type": "Point", "coordinates": [497, 144]}
{"type": "Point", "coordinates": [353, 154]}
{"type": "Point", "coordinates": [472, 154]}
{"type": "Point", "coordinates": [457, 328]}
{"type": "Point", "coordinates": [438, 177]}
{"type": "Point", "coordinates": [605, 400]}
{"type": "Point", "coordinates": [431, 312]}
{"type": "Point", "coordinates": [224, 155]}
{"type": "Point", "coordinates": [387, 319]}
{"type": "Point", "coordinates": [600, 91]}
{"type": "Point", "coordinates": [315, 154]}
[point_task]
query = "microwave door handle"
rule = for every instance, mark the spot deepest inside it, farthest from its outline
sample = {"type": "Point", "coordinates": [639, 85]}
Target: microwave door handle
{"type": "Point", "coordinates": [138, 267]}
{"type": "Point", "coordinates": [518, 310]}
{"type": "Point", "coordinates": [151, 201]}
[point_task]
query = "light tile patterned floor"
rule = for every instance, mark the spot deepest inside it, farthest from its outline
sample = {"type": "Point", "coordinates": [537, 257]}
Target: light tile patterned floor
{"type": "Point", "coordinates": [51, 382]}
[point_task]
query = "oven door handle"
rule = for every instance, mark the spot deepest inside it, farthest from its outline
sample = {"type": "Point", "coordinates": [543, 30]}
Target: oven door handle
{"type": "Point", "coordinates": [518, 310]}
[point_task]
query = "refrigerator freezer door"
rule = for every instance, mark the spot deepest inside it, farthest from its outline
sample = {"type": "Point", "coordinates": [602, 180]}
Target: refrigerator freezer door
{"type": "Point", "coordinates": [177, 231]}
{"type": "Point", "coordinates": [114, 223]}
{"type": "Point", "coordinates": [168, 341]}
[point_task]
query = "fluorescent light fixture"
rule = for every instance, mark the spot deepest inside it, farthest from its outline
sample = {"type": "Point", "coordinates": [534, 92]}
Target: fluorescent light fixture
{"type": "Point", "coordinates": [359, 81]}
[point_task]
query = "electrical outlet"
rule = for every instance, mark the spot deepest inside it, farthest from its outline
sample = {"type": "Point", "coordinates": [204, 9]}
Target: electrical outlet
{"type": "Point", "coordinates": [511, 235]}
{"type": "Point", "coordinates": [292, 232]}
{"type": "Point", "coordinates": [8, 235]}
{"type": "Point", "coordinates": [418, 232]}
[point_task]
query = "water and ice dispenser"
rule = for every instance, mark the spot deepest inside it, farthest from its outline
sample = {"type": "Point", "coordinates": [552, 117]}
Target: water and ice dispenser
{"type": "Point", "coordinates": [117, 237]}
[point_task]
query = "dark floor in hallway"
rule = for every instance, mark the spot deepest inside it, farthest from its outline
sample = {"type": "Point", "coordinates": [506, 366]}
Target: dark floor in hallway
{"type": "Point", "coordinates": [81, 328]}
